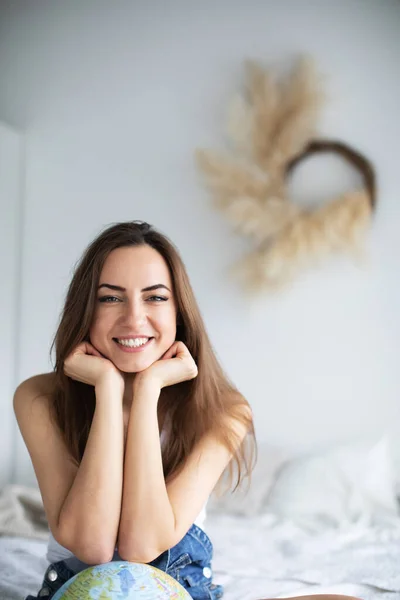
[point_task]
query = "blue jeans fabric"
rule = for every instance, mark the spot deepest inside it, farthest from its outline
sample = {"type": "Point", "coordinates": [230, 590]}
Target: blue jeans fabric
{"type": "Point", "coordinates": [189, 562]}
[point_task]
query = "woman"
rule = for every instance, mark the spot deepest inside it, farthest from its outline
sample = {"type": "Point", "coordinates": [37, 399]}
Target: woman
{"type": "Point", "coordinates": [131, 433]}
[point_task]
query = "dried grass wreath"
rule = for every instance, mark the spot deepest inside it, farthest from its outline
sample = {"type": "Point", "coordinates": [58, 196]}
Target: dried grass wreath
{"type": "Point", "coordinates": [272, 130]}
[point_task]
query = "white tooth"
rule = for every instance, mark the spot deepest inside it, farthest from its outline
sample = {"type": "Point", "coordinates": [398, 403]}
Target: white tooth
{"type": "Point", "coordinates": [133, 343]}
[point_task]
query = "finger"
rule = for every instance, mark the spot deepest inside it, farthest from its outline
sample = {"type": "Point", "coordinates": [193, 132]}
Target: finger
{"type": "Point", "coordinates": [170, 353]}
{"type": "Point", "coordinates": [91, 350]}
{"type": "Point", "coordinates": [87, 348]}
{"type": "Point", "coordinates": [174, 350]}
{"type": "Point", "coordinates": [182, 351]}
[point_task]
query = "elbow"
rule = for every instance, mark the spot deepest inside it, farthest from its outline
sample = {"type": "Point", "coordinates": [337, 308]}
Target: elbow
{"type": "Point", "coordinates": [94, 555]}
{"type": "Point", "coordinates": [140, 553]}
{"type": "Point", "coordinates": [93, 551]}
{"type": "Point", "coordinates": [136, 546]}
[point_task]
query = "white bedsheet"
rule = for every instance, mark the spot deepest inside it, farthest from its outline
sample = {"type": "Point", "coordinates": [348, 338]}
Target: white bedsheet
{"type": "Point", "coordinates": [264, 557]}
{"type": "Point", "coordinates": [22, 566]}
{"type": "Point", "coordinates": [260, 557]}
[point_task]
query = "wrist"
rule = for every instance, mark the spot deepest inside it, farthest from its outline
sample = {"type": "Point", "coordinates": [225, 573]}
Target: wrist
{"type": "Point", "coordinates": [111, 381]}
{"type": "Point", "coordinates": [147, 383]}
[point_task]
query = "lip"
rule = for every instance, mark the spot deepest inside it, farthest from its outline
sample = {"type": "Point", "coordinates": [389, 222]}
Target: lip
{"type": "Point", "coordinates": [132, 350]}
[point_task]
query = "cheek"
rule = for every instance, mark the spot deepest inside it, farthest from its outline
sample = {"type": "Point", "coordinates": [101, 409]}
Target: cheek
{"type": "Point", "coordinates": [167, 324]}
{"type": "Point", "coordinates": [98, 328]}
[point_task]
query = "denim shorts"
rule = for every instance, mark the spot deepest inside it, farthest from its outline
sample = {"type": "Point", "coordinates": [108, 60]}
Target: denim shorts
{"type": "Point", "coordinates": [189, 562]}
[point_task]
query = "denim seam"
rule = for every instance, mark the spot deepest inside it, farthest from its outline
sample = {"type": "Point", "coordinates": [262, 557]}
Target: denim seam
{"type": "Point", "coordinates": [204, 546]}
{"type": "Point", "coordinates": [168, 560]}
{"type": "Point", "coordinates": [182, 559]}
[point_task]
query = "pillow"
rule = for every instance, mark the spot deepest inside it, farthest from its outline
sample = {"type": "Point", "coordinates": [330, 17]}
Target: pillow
{"type": "Point", "coordinates": [353, 483]}
{"type": "Point", "coordinates": [249, 500]}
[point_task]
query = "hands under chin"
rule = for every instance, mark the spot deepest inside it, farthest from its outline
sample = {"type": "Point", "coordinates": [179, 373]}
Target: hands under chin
{"type": "Point", "coordinates": [175, 366]}
{"type": "Point", "coordinates": [87, 365]}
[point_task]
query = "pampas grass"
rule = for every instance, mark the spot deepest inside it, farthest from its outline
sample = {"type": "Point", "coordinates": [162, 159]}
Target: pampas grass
{"type": "Point", "coordinates": [338, 226]}
{"type": "Point", "coordinates": [270, 127]}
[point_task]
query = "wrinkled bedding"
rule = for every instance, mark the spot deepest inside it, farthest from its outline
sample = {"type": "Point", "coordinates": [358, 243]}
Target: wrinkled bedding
{"type": "Point", "coordinates": [259, 557]}
{"type": "Point", "coordinates": [264, 557]}
{"type": "Point", "coordinates": [22, 565]}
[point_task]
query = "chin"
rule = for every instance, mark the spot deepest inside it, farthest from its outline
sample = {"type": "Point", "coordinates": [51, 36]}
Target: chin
{"type": "Point", "coordinates": [131, 371]}
{"type": "Point", "coordinates": [134, 365]}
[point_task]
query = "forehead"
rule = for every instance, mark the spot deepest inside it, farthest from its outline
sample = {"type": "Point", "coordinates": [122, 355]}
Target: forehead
{"type": "Point", "coordinates": [140, 266]}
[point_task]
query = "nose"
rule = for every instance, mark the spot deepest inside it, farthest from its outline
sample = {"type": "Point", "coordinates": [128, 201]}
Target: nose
{"type": "Point", "coordinates": [135, 314]}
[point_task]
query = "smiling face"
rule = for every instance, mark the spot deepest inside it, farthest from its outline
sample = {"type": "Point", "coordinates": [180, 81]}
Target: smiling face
{"type": "Point", "coordinates": [134, 322]}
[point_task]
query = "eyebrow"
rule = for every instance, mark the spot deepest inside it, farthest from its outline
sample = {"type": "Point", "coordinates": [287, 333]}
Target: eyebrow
{"type": "Point", "coordinates": [118, 288]}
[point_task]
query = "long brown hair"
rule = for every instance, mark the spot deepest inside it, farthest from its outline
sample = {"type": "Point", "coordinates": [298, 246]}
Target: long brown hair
{"type": "Point", "coordinates": [203, 405]}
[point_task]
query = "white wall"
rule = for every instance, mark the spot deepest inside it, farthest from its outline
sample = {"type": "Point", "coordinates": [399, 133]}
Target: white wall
{"type": "Point", "coordinates": [11, 188]}
{"type": "Point", "coordinates": [114, 97]}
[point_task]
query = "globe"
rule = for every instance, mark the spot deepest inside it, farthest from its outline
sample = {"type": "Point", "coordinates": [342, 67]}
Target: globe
{"type": "Point", "coordinates": [121, 580]}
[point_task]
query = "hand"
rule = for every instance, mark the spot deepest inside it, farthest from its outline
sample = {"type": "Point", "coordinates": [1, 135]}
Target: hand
{"type": "Point", "coordinates": [87, 365]}
{"type": "Point", "coordinates": [175, 366]}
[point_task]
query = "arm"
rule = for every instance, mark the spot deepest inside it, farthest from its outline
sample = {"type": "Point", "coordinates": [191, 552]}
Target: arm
{"type": "Point", "coordinates": [155, 516]}
{"type": "Point", "coordinates": [89, 517]}
{"type": "Point", "coordinates": [82, 503]}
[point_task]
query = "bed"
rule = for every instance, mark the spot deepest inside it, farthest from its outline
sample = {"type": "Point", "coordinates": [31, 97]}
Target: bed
{"type": "Point", "coordinates": [257, 558]}
{"type": "Point", "coordinates": [264, 557]}
{"type": "Point", "coordinates": [327, 523]}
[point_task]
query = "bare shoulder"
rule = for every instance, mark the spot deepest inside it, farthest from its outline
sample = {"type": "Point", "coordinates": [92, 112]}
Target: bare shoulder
{"type": "Point", "coordinates": [51, 460]}
{"type": "Point", "coordinates": [239, 409]}
{"type": "Point", "coordinates": [36, 386]}
{"type": "Point", "coordinates": [241, 421]}
{"type": "Point", "coordinates": [33, 393]}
